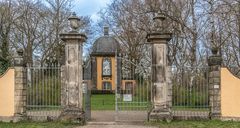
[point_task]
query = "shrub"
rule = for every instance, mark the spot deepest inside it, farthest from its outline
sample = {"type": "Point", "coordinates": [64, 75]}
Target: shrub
{"type": "Point", "coordinates": [4, 64]}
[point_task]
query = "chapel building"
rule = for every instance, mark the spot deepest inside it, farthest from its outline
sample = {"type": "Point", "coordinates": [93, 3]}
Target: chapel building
{"type": "Point", "coordinates": [103, 68]}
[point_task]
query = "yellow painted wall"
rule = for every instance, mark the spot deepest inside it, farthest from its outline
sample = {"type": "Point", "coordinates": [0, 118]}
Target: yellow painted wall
{"type": "Point", "coordinates": [113, 73]}
{"type": "Point", "coordinates": [7, 93]}
{"type": "Point", "coordinates": [230, 94]}
{"type": "Point", "coordinates": [99, 73]}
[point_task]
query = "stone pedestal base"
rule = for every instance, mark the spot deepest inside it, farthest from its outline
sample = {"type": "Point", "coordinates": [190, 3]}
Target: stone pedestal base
{"type": "Point", "coordinates": [160, 115]}
{"type": "Point", "coordinates": [214, 116]}
{"type": "Point", "coordinates": [19, 117]}
{"type": "Point", "coordinates": [75, 115]}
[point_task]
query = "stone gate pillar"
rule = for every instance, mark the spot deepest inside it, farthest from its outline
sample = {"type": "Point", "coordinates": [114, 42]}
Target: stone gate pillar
{"type": "Point", "coordinates": [72, 88]}
{"type": "Point", "coordinates": [160, 71]}
{"type": "Point", "coordinates": [20, 94]}
{"type": "Point", "coordinates": [214, 63]}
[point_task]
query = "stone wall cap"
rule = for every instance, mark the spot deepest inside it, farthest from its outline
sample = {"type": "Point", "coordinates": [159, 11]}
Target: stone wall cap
{"type": "Point", "coordinates": [227, 68]}
{"type": "Point", "coordinates": [9, 68]}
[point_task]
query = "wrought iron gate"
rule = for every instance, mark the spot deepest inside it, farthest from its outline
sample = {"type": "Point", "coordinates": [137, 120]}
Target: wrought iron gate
{"type": "Point", "coordinates": [190, 92]}
{"type": "Point", "coordinates": [133, 93]}
{"type": "Point", "coordinates": [43, 92]}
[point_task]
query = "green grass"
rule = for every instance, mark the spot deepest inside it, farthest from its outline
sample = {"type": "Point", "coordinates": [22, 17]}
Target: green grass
{"type": "Point", "coordinates": [107, 102]}
{"type": "Point", "coordinates": [37, 125]}
{"type": "Point", "coordinates": [196, 124]}
{"type": "Point", "coordinates": [103, 102]}
{"type": "Point", "coordinates": [173, 124]}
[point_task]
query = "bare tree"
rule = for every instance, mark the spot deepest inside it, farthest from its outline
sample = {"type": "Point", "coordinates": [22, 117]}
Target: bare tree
{"type": "Point", "coordinates": [7, 12]}
{"type": "Point", "coordinates": [34, 26]}
{"type": "Point", "coordinates": [130, 24]}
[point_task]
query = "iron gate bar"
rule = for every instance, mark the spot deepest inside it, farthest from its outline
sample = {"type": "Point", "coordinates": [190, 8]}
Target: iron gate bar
{"type": "Point", "coordinates": [190, 92]}
{"type": "Point", "coordinates": [43, 92]}
{"type": "Point", "coordinates": [140, 101]}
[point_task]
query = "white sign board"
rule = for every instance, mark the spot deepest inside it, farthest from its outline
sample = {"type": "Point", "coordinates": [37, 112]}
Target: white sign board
{"type": "Point", "coordinates": [118, 96]}
{"type": "Point", "coordinates": [127, 97]}
{"type": "Point", "coordinates": [216, 86]}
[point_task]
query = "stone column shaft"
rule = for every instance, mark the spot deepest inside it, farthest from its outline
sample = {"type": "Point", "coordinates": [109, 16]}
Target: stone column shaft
{"type": "Point", "coordinates": [20, 94]}
{"type": "Point", "coordinates": [159, 66]}
{"type": "Point", "coordinates": [72, 93]}
{"type": "Point", "coordinates": [74, 74]}
{"type": "Point", "coordinates": [214, 62]}
{"type": "Point", "coordinates": [160, 77]}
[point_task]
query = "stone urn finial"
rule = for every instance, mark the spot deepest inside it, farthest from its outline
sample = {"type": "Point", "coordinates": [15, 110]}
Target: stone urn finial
{"type": "Point", "coordinates": [159, 21]}
{"type": "Point", "coordinates": [74, 22]}
{"type": "Point", "coordinates": [20, 52]}
{"type": "Point", "coordinates": [214, 50]}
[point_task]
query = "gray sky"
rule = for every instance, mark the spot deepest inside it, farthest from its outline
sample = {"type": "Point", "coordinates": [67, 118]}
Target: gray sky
{"type": "Point", "coordinates": [89, 7]}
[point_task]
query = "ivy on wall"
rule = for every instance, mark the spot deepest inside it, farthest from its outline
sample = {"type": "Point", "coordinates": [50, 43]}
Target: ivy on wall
{"type": "Point", "coordinates": [4, 64]}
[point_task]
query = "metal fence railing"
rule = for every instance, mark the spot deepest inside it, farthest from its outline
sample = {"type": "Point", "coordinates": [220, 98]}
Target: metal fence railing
{"type": "Point", "coordinates": [43, 92]}
{"type": "Point", "coordinates": [190, 92]}
{"type": "Point", "coordinates": [190, 96]}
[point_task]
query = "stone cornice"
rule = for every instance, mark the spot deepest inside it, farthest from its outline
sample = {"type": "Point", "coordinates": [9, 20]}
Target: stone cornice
{"type": "Point", "coordinates": [73, 36]}
{"type": "Point", "coordinates": [102, 54]}
{"type": "Point", "coordinates": [214, 60]}
{"type": "Point", "coordinates": [159, 37]}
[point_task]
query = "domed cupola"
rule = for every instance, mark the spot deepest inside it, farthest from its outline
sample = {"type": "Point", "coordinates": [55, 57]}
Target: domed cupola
{"type": "Point", "coordinates": [105, 45]}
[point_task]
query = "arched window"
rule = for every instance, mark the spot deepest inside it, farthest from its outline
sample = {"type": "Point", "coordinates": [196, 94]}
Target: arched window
{"type": "Point", "coordinates": [106, 67]}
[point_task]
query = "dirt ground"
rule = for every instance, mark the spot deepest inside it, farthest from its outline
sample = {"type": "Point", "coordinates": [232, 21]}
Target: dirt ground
{"type": "Point", "coordinates": [111, 116]}
{"type": "Point", "coordinates": [126, 119]}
